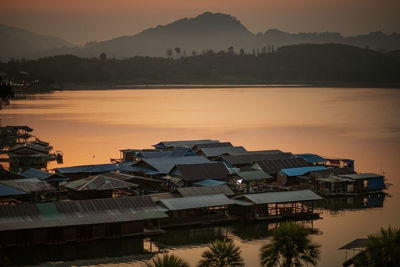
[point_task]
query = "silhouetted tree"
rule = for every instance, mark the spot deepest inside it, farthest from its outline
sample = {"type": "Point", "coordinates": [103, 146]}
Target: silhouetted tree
{"type": "Point", "coordinates": [264, 49]}
{"type": "Point", "coordinates": [290, 246]}
{"type": "Point", "coordinates": [241, 52]}
{"type": "Point", "coordinates": [231, 50]}
{"type": "Point", "coordinates": [177, 51]}
{"type": "Point", "coordinates": [169, 52]}
{"type": "Point", "coordinates": [222, 253]}
{"type": "Point", "coordinates": [6, 93]}
{"type": "Point", "coordinates": [383, 249]}
{"type": "Point", "coordinates": [167, 261]}
{"type": "Point", "coordinates": [103, 56]}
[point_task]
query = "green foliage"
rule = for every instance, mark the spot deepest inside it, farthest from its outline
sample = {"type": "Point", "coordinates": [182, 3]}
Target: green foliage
{"type": "Point", "coordinates": [222, 253]}
{"type": "Point", "coordinates": [383, 249]}
{"type": "Point", "coordinates": [167, 261]}
{"type": "Point", "coordinates": [290, 245]}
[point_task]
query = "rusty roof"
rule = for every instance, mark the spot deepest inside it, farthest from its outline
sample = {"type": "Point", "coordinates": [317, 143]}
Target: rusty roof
{"type": "Point", "coordinates": [197, 172]}
{"type": "Point", "coordinates": [83, 212]}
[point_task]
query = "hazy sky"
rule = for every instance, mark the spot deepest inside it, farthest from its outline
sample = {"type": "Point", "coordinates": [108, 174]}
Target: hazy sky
{"type": "Point", "coordinates": [79, 21]}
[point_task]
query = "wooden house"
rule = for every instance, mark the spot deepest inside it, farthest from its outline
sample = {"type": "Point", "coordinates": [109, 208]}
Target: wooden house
{"type": "Point", "coordinates": [251, 181]}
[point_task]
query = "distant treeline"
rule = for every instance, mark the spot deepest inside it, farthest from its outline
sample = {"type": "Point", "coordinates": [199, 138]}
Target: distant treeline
{"type": "Point", "coordinates": [308, 63]}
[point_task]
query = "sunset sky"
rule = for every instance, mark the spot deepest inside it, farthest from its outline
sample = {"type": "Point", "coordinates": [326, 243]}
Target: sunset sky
{"type": "Point", "coordinates": [79, 21]}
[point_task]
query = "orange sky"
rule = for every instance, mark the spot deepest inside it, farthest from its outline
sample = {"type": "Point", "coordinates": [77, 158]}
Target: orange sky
{"type": "Point", "coordinates": [79, 21]}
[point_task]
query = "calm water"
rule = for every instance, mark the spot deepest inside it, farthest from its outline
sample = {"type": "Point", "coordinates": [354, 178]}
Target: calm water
{"type": "Point", "coordinates": [91, 127]}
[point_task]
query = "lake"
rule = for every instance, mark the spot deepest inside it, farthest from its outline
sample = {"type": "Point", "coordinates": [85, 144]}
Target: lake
{"type": "Point", "coordinates": [358, 123]}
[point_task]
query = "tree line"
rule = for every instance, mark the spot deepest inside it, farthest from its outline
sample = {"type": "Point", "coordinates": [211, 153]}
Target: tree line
{"type": "Point", "coordinates": [313, 63]}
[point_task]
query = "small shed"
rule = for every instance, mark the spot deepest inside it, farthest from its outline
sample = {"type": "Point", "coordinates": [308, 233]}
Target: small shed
{"type": "Point", "coordinates": [36, 190]}
{"type": "Point", "coordinates": [290, 176]}
{"type": "Point", "coordinates": [196, 209]}
{"type": "Point", "coordinates": [277, 204]}
{"type": "Point", "coordinates": [251, 181]}
{"type": "Point", "coordinates": [370, 181]}
{"type": "Point", "coordinates": [191, 173]}
{"type": "Point", "coordinates": [54, 179]}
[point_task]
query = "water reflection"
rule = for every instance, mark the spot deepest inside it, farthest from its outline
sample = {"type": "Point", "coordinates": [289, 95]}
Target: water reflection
{"type": "Point", "coordinates": [336, 204]}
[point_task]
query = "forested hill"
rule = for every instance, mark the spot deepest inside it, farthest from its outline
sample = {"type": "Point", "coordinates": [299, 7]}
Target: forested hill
{"type": "Point", "coordinates": [308, 63]}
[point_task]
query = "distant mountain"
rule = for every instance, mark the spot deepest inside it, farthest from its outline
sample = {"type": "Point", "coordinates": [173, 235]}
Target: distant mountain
{"type": "Point", "coordinates": [18, 43]}
{"type": "Point", "coordinates": [207, 31]}
{"type": "Point", "coordinates": [214, 31]}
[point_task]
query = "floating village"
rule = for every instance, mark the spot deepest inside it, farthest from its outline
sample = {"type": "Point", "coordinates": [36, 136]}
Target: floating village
{"type": "Point", "coordinates": [149, 191]}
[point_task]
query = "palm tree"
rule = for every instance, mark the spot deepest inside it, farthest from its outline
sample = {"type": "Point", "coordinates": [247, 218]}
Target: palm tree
{"type": "Point", "coordinates": [383, 249]}
{"type": "Point", "coordinates": [222, 253]}
{"type": "Point", "coordinates": [290, 245]}
{"type": "Point", "coordinates": [167, 261]}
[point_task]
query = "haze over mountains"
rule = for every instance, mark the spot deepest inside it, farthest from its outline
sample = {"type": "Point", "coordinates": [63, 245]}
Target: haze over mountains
{"type": "Point", "coordinates": [214, 31]}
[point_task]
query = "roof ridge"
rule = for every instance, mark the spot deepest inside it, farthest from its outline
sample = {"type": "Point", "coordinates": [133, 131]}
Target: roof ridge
{"type": "Point", "coordinates": [94, 178]}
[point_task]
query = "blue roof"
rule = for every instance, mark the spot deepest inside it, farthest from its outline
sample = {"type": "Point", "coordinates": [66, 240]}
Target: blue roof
{"type": "Point", "coordinates": [311, 158]}
{"type": "Point", "coordinates": [6, 190]}
{"type": "Point", "coordinates": [209, 182]}
{"type": "Point", "coordinates": [98, 168]}
{"type": "Point", "coordinates": [302, 170]}
{"type": "Point", "coordinates": [35, 173]}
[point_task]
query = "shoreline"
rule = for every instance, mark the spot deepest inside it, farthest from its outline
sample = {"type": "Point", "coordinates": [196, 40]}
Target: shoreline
{"type": "Point", "coordinates": [85, 87]}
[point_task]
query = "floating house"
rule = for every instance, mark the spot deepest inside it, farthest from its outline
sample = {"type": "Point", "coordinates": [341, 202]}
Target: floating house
{"type": "Point", "coordinates": [370, 181]}
{"type": "Point", "coordinates": [190, 173]}
{"type": "Point", "coordinates": [314, 159]}
{"type": "Point", "coordinates": [198, 147]}
{"type": "Point", "coordinates": [251, 181]}
{"type": "Point", "coordinates": [203, 191]}
{"type": "Point", "coordinates": [99, 186]}
{"type": "Point", "coordinates": [292, 176]}
{"type": "Point", "coordinates": [184, 211]}
{"type": "Point", "coordinates": [216, 152]}
{"type": "Point", "coordinates": [83, 171]}
{"type": "Point", "coordinates": [36, 190]}
{"type": "Point", "coordinates": [162, 166]}
{"type": "Point", "coordinates": [272, 166]}
{"type": "Point", "coordinates": [68, 221]}
{"type": "Point", "coordinates": [273, 205]}
{"type": "Point", "coordinates": [248, 158]}
{"type": "Point", "coordinates": [54, 179]}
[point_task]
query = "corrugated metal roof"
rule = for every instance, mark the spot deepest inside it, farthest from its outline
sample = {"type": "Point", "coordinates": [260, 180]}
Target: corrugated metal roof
{"type": "Point", "coordinates": [209, 182]}
{"type": "Point", "coordinates": [302, 170]}
{"type": "Point", "coordinates": [248, 158]}
{"type": "Point", "coordinates": [184, 143]}
{"type": "Point", "coordinates": [165, 165]}
{"type": "Point", "coordinates": [176, 152]}
{"type": "Point", "coordinates": [357, 243]}
{"type": "Point", "coordinates": [201, 191]}
{"type": "Point", "coordinates": [282, 197]}
{"type": "Point", "coordinates": [68, 213]}
{"type": "Point", "coordinates": [274, 165]}
{"type": "Point", "coordinates": [35, 173]}
{"type": "Point", "coordinates": [29, 185]}
{"type": "Point", "coordinates": [196, 172]}
{"type": "Point", "coordinates": [118, 175]}
{"type": "Point", "coordinates": [98, 168]}
{"type": "Point", "coordinates": [184, 203]}
{"type": "Point", "coordinates": [362, 176]}
{"type": "Point", "coordinates": [6, 191]}
{"type": "Point", "coordinates": [218, 151]}
{"type": "Point", "coordinates": [222, 144]}
{"type": "Point", "coordinates": [98, 182]}
{"type": "Point", "coordinates": [312, 158]}
{"type": "Point", "coordinates": [252, 175]}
